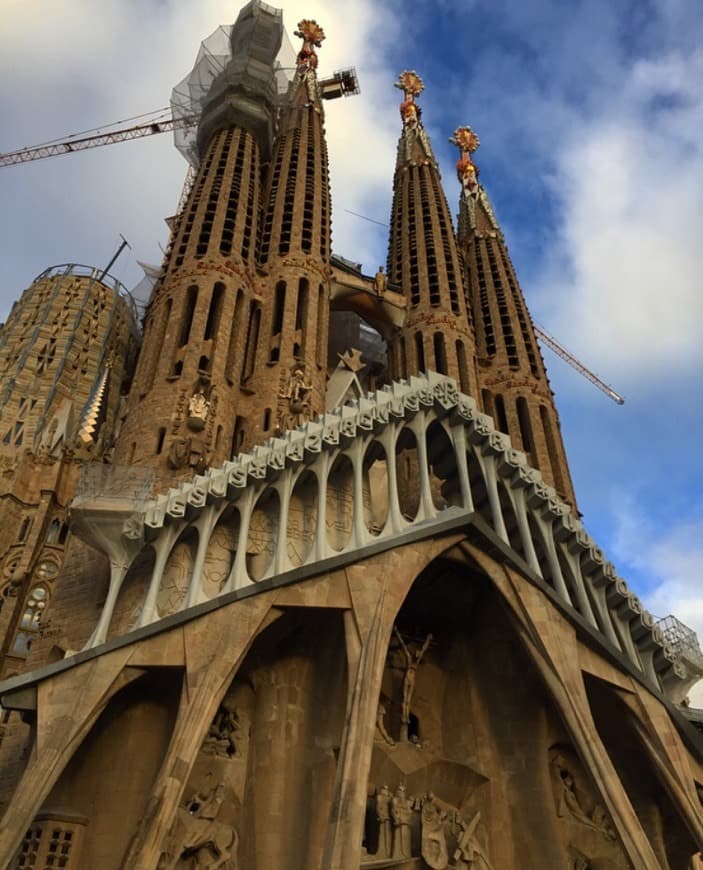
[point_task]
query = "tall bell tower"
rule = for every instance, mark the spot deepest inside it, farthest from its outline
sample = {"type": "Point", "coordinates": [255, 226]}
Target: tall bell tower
{"type": "Point", "coordinates": [513, 383]}
{"type": "Point", "coordinates": [423, 258]}
{"type": "Point", "coordinates": [290, 361]}
{"type": "Point", "coordinates": [193, 380]}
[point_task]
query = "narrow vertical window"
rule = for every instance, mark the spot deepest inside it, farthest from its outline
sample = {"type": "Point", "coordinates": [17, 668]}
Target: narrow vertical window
{"type": "Point", "coordinates": [501, 419]}
{"type": "Point", "coordinates": [252, 340]}
{"type": "Point", "coordinates": [234, 335]}
{"type": "Point", "coordinates": [301, 314]}
{"type": "Point", "coordinates": [215, 312]}
{"type": "Point", "coordinates": [402, 358]}
{"type": "Point", "coordinates": [321, 347]}
{"type": "Point", "coordinates": [279, 308]}
{"type": "Point", "coordinates": [440, 354]}
{"type": "Point", "coordinates": [487, 402]}
{"type": "Point", "coordinates": [188, 312]}
{"type": "Point", "coordinates": [237, 435]}
{"type": "Point", "coordinates": [554, 458]}
{"type": "Point", "coordinates": [420, 352]}
{"type": "Point", "coordinates": [523, 417]}
{"type": "Point", "coordinates": [463, 367]}
{"type": "Point", "coordinates": [160, 440]}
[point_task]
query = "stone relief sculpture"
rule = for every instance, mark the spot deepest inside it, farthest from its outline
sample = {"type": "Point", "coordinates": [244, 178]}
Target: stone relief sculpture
{"type": "Point", "coordinates": [446, 839]}
{"type": "Point", "coordinates": [413, 660]}
{"type": "Point", "coordinates": [218, 560]}
{"type": "Point", "coordinates": [220, 739]}
{"type": "Point", "coordinates": [434, 841]}
{"type": "Point", "coordinates": [468, 852]}
{"type": "Point", "coordinates": [174, 583]}
{"type": "Point", "coordinates": [199, 840]}
{"type": "Point", "coordinates": [569, 805]}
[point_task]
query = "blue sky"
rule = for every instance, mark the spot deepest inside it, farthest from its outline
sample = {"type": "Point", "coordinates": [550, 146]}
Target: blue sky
{"type": "Point", "coordinates": [589, 114]}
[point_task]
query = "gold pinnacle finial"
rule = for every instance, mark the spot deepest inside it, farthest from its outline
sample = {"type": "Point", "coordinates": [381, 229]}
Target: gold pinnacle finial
{"type": "Point", "coordinates": [467, 171]}
{"type": "Point", "coordinates": [412, 86]}
{"type": "Point", "coordinates": [312, 35]}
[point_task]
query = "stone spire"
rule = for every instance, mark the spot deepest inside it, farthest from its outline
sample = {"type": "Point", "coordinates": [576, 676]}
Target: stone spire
{"type": "Point", "coordinates": [190, 390]}
{"type": "Point", "coordinates": [289, 372]}
{"type": "Point", "coordinates": [423, 259]}
{"type": "Point", "coordinates": [512, 378]}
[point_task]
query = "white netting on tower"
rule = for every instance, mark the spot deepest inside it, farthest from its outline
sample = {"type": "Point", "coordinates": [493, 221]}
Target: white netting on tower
{"type": "Point", "coordinates": [214, 63]}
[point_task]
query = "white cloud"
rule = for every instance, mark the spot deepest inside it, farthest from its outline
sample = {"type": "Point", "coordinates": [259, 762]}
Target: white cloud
{"type": "Point", "coordinates": [669, 559]}
{"type": "Point", "coordinates": [624, 278]}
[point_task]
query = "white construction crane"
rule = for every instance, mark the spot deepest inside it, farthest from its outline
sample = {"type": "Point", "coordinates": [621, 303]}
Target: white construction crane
{"type": "Point", "coordinates": [551, 342]}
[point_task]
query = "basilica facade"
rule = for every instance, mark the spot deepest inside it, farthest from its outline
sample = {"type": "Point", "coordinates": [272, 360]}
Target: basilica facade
{"type": "Point", "coordinates": [300, 582]}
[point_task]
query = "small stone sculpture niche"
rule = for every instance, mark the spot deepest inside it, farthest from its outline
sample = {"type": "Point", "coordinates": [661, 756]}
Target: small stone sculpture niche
{"type": "Point", "coordinates": [220, 740]}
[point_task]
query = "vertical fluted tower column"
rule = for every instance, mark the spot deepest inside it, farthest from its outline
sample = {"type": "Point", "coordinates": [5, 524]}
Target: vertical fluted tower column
{"type": "Point", "coordinates": [193, 381]}
{"type": "Point", "coordinates": [290, 371]}
{"type": "Point", "coordinates": [423, 259]}
{"type": "Point", "coordinates": [513, 381]}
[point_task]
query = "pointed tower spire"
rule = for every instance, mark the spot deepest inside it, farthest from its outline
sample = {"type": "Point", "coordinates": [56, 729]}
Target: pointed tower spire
{"type": "Point", "coordinates": [423, 258]}
{"type": "Point", "coordinates": [512, 378]}
{"type": "Point", "coordinates": [190, 392]}
{"type": "Point", "coordinates": [291, 352]}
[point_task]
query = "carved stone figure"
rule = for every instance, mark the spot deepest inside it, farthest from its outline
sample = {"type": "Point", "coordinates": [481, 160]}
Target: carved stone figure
{"type": "Point", "coordinates": [380, 281]}
{"type": "Point", "coordinates": [179, 453]}
{"type": "Point", "coordinates": [220, 738]}
{"type": "Point", "coordinates": [381, 730]}
{"type": "Point", "coordinates": [468, 852]}
{"type": "Point", "coordinates": [198, 410]}
{"type": "Point", "coordinates": [200, 838]}
{"type": "Point", "coordinates": [383, 816]}
{"type": "Point", "coordinates": [434, 842]}
{"type": "Point", "coordinates": [413, 662]}
{"type": "Point", "coordinates": [401, 814]}
{"type": "Point", "coordinates": [298, 395]}
{"type": "Point", "coordinates": [570, 805]}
